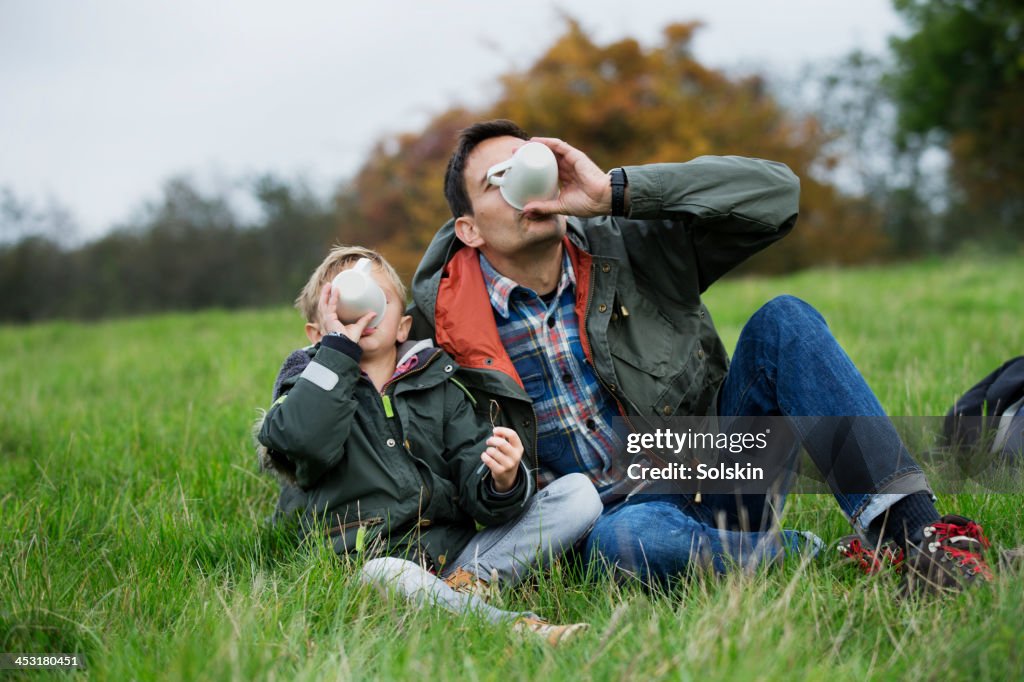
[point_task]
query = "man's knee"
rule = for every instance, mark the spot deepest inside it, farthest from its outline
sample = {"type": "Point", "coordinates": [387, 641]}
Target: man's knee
{"type": "Point", "coordinates": [787, 308]}
{"type": "Point", "coordinates": [786, 316]}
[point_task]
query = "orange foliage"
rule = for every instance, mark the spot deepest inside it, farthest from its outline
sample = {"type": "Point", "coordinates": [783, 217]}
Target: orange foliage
{"type": "Point", "coordinates": [621, 104]}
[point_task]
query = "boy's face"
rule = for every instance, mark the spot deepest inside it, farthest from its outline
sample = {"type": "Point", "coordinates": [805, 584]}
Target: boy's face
{"type": "Point", "coordinates": [394, 328]}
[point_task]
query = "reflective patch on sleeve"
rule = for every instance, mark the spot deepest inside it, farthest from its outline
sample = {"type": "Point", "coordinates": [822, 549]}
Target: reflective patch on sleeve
{"type": "Point", "coordinates": [320, 375]}
{"type": "Point", "coordinates": [280, 400]}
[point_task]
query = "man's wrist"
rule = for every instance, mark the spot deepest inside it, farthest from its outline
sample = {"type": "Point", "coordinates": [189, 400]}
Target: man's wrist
{"type": "Point", "coordinates": [619, 183]}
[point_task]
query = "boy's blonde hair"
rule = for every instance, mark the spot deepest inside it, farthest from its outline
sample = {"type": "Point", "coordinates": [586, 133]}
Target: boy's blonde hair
{"type": "Point", "coordinates": [341, 257]}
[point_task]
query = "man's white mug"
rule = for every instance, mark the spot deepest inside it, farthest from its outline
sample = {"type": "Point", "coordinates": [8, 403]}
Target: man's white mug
{"type": "Point", "coordinates": [531, 173]}
{"type": "Point", "coordinates": [358, 294]}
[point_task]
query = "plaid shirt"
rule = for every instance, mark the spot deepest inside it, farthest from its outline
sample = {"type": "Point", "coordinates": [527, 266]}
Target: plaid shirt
{"type": "Point", "coordinates": [574, 412]}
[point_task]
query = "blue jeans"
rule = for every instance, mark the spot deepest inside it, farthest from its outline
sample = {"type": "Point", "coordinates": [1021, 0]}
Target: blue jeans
{"type": "Point", "coordinates": [787, 363]}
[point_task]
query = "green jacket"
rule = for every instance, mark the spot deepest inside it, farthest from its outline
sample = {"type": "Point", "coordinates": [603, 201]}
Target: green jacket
{"type": "Point", "coordinates": [643, 326]}
{"type": "Point", "coordinates": [398, 471]}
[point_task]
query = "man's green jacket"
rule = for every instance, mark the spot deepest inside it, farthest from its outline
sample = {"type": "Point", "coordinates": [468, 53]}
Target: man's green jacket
{"type": "Point", "coordinates": [639, 278]}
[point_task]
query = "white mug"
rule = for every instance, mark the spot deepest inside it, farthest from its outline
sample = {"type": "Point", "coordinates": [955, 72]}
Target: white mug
{"type": "Point", "coordinates": [358, 294]}
{"type": "Point", "coordinates": [531, 173]}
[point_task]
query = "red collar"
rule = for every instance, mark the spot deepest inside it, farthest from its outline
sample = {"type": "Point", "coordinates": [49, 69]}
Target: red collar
{"type": "Point", "coordinates": [464, 320]}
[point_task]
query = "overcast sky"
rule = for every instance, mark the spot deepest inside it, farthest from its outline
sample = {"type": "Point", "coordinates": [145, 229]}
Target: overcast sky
{"type": "Point", "coordinates": [101, 101]}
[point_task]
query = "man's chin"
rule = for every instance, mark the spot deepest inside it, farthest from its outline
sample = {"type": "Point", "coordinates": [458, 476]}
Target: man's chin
{"type": "Point", "coordinates": [549, 226]}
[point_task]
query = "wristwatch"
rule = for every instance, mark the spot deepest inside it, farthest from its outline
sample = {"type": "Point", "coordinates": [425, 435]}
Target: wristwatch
{"type": "Point", "coordinates": [619, 182]}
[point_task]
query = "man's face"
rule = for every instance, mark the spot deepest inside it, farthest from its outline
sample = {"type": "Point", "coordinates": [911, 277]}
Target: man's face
{"type": "Point", "coordinates": [495, 226]}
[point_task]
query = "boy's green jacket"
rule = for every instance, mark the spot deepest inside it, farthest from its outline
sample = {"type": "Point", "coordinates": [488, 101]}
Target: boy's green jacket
{"type": "Point", "coordinates": [396, 472]}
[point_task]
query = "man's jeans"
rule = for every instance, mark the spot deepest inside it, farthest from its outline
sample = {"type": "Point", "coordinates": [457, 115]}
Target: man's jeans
{"type": "Point", "coordinates": [551, 523]}
{"type": "Point", "coordinates": [787, 363]}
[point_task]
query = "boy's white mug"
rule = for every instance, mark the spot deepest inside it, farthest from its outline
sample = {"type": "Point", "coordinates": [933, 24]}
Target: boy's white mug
{"type": "Point", "coordinates": [358, 294]}
{"type": "Point", "coordinates": [531, 173]}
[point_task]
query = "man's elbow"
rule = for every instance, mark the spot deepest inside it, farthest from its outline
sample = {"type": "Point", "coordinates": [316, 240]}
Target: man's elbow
{"type": "Point", "coordinates": [785, 196]}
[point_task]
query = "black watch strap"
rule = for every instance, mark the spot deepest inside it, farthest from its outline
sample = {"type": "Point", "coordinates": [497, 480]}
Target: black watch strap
{"type": "Point", "coordinates": [618, 178]}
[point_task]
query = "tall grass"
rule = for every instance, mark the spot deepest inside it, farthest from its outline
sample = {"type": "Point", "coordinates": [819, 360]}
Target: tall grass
{"type": "Point", "coordinates": [132, 519]}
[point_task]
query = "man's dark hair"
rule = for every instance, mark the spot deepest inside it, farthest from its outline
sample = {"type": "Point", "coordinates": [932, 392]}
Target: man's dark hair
{"type": "Point", "coordinates": [455, 177]}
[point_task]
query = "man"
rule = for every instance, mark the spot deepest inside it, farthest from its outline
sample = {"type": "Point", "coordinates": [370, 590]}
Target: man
{"type": "Point", "coordinates": [576, 310]}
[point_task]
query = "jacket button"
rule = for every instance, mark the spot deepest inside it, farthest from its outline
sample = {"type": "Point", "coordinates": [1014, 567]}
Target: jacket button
{"type": "Point", "coordinates": [700, 353]}
{"type": "Point", "coordinates": [611, 387]}
{"type": "Point", "coordinates": [448, 368]}
{"type": "Point", "coordinates": [391, 442]}
{"type": "Point", "coordinates": [526, 424]}
{"type": "Point", "coordinates": [605, 267]}
{"type": "Point", "coordinates": [602, 308]}
{"type": "Point", "coordinates": [667, 410]}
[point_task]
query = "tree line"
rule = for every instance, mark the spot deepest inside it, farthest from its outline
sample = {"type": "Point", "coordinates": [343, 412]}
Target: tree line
{"type": "Point", "coordinates": [866, 149]}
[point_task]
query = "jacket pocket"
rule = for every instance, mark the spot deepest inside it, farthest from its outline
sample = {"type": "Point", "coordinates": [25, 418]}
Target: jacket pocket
{"type": "Point", "coordinates": [535, 386]}
{"type": "Point", "coordinates": [346, 536]}
{"type": "Point", "coordinates": [442, 506]}
{"type": "Point", "coordinates": [344, 527]}
{"type": "Point", "coordinates": [684, 393]}
{"type": "Point", "coordinates": [640, 336]}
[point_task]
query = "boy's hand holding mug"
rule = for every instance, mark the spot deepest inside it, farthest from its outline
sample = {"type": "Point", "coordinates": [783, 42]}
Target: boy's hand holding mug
{"type": "Point", "coordinates": [502, 456]}
{"type": "Point", "coordinates": [329, 322]}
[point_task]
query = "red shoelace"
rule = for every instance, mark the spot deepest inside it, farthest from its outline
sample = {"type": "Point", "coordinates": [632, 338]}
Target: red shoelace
{"type": "Point", "coordinates": [873, 561]}
{"type": "Point", "coordinates": [965, 558]}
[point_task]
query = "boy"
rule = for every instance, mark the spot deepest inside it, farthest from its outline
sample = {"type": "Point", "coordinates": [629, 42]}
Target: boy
{"type": "Point", "coordinates": [375, 438]}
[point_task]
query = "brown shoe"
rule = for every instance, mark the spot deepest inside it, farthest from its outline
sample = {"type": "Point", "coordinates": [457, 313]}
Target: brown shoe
{"type": "Point", "coordinates": [551, 633]}
{"type": "Point", "coordinates": [464, 582]}
{"type": "Point", "coordinates": [948, 557]}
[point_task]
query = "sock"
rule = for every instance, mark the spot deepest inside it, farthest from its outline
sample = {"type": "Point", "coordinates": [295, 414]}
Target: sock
{"type": "Point", "coordinates": [905, 519]}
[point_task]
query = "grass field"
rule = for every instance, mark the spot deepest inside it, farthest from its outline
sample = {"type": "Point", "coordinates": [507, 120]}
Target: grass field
{"type": "Point", "coordinates": [132, 518]}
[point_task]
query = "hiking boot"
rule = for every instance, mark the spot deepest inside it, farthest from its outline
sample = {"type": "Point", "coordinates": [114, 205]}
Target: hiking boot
{"type": "Point", "coordinates": [464, 582]}
{"type": "Point", "coordinates": [948, 557]}
{"type": "Point", "coordinates": [871, 561]}
{"type": "Point", "coordinates": [551, 633]}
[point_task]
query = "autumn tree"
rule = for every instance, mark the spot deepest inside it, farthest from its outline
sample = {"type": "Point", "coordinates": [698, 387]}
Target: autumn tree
{"type": "Point", "coordinates": [621, 103]}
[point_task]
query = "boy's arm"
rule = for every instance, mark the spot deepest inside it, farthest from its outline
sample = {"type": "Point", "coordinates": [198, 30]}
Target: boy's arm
{"type": "Point", "coordinates": [309, 423]}
{"type": "Point", "coordinates": [466, 439]}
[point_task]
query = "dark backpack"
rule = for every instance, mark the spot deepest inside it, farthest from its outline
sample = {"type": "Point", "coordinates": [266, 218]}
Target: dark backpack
{"type": "Point", "coordinates": [981, 418]}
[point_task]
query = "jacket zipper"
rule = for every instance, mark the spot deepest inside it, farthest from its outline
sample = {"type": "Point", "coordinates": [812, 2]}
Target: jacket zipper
{"type": "Point", "coordinates": [389, 412]}
{"type": "Point", "coordinates": [585, 341]}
